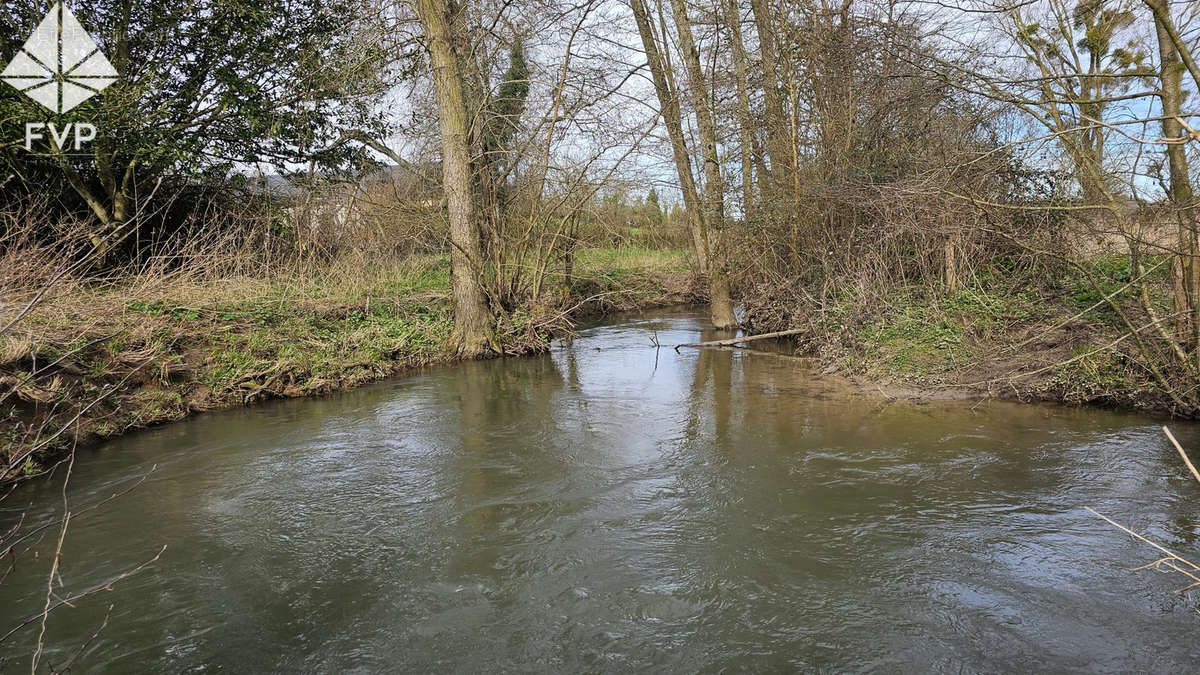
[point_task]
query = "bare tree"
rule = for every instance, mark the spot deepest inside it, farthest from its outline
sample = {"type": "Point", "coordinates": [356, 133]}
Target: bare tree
{"type": "Point", "coordinates": [472, 322]}
{"type": "Point", "coordinates": [778, 143]}
{"type": "Point", "coordinates": [672, 116]}
{"type": "Point", "coordinates": [720, 301]}
{"type": "Point", "coordinates": [707, 213]}
{"type": "Point", "coordinates": [733, 22]}
{"type": "Point", "coordinates": [1179, 189]}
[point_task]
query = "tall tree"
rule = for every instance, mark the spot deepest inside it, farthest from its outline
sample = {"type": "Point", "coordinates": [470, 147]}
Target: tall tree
{"type": "Point", "coordinates": [721, 302]}
{"type": "Point", "coordinates": [673, 119]}
{"type": "Point", "coordinates": [494, 157]}
{"type": "Point", "coordinates": [733, 20]}
{"type": "Point", "coordinates": [1179, 188]}
{"type": "Point", "coordinates": [472, 321]}
{"type": "Point", "coordinates": [779, 147]}
{"type": "Point", "coordinates": [203, 86]}
{"type": "Point", "coordinates": [1165, 22]}
{"type": "Point", "coordinates": [1078, 74]}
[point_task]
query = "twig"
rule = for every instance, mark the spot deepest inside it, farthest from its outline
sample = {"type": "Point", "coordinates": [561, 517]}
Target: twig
{"type": "Point", "coordinates": [1182, 453]}
{"type": "Point", "coordinates": [54, 568]}
{"type": "Point", "coordinates": [1169, 561]}
{"type": "Point", "coordinates": [103, 586]}
{"type": "Point", "coordinates": [66, 667]}
{"type": "Point", "coordinates": [9, 546]}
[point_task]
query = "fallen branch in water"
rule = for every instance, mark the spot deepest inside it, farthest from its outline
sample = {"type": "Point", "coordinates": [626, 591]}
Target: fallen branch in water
{"type": "Point", "coordinates": [811, 360]}
{"type": "Point", "coordinates": [745, 338]}
{"type": "Point", "coordinates": [1172, 560]}
{"type": "Point", "coordinates": [1181, 453]}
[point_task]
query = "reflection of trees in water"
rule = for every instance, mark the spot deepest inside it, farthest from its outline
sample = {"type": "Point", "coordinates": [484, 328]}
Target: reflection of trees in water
{"type": "Point", "coordinates": [809, 469]}
{"type": "Point", "coordinates": [772, 403]}
{"type": "Point", "coordinates": [764, 446]}
{"type": "Point", "coordinates": [507, 423]}
{"type": "Point", "coordinates": [712, 390]}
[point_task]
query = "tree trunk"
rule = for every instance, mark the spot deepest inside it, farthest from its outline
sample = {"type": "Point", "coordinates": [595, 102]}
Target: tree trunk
{"type": "Point", "coordinates": [777, 126]}
{"type": "Point", "coordinates": [734, 20]}
{"type": "Point", "coordinates": [720, 301]}
{"type": "Point", "coordinates": [1165, 24]}
{"type": "Point", "coordinates": [673, 119]}
{"type": "Point", "coordinates": [1180, 189]}
{"type": "Point", "coordinates": [951, 266]}
{"type": "Point", "coordinates": [472, 323]}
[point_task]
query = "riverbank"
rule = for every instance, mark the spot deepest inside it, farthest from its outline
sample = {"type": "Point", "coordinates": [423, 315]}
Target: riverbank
{"type": "Point", "coordinates": [1051, 339]}
{"type": "Point", "coordinates": [92, 363]}
{"type": "Point", "coordinates": [96, 363]}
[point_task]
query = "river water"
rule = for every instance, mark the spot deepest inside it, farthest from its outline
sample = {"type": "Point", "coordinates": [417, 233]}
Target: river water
{"type": "Point", "coordinates": [615, 507]}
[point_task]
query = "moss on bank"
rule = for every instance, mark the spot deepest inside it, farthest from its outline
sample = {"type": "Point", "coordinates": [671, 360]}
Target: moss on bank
{"type": "Point", "coordinates": [137, 354]}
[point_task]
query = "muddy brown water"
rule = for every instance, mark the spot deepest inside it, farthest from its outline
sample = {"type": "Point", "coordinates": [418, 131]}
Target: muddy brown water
{"type": "Point", "coordinates": [610, 507]}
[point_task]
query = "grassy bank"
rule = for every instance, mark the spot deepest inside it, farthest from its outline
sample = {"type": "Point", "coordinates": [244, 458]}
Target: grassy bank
{"type": "Point", "coordinates": [1016, 337]}
{"type": "Point", "coordinates": [96, 361]}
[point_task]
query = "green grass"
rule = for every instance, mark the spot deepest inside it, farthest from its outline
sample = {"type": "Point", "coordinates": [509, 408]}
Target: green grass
{"type": "Point", "coordinates": [626, 278]}
{"type": "Point", "coordinates": [1092, 374]}
{"type": "Point", "coordinates": [173, 346]}
{"type": "Point", "coordinates": [921, 332]}
{"type": "Point", "coordinates": [1112, 274]}
{"type": "Point", "coordinates": [914, 338]}
{"type": "Point", "coordinates": [1040, 332]}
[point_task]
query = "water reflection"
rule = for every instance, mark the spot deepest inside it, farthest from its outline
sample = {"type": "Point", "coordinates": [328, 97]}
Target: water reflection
{"type": "Point", "coordinates": [616, 507]}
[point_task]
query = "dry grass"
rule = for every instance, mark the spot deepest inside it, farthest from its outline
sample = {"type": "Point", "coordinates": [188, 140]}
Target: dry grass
{"type": "Point", "coordinates": [230, 317]}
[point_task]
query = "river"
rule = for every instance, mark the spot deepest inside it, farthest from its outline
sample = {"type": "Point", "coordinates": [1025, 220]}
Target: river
{"type": "Point", "coordinates": [613, 507]}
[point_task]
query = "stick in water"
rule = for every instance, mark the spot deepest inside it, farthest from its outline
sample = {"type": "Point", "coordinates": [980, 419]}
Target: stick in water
{"type": "Point", "coordinates": [1182, 453]}
{"type": "Point", "coordinates": [744, 338]}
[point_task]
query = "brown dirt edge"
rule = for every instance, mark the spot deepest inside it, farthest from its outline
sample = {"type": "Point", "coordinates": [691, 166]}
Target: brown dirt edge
{"type": "Point", "coordinates": [1030, 373]}
{"type": "Point", "coordinates": [1032, 376]}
